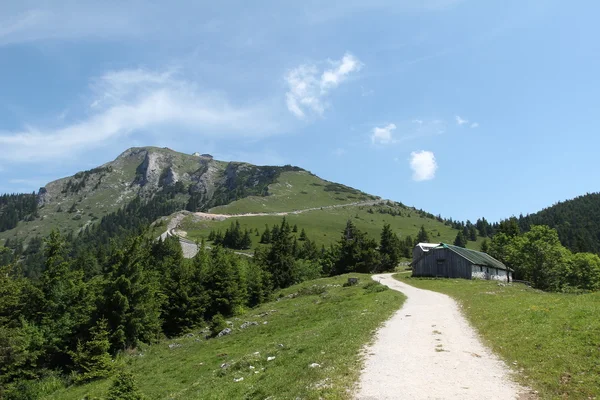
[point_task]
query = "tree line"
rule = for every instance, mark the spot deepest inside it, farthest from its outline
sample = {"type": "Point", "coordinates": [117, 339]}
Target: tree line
{"type": "Point", "coordinates": [539, 257]}
{"type": "Point", "coordinates": [84, 307]}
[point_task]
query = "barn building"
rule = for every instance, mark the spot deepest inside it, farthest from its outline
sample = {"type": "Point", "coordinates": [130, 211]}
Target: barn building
{"type": "Point", "coordinates": [448, 261]}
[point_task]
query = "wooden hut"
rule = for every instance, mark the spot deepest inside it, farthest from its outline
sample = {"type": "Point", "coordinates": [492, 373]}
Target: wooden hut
{"type": "Point", "coordinates": [450, 261]}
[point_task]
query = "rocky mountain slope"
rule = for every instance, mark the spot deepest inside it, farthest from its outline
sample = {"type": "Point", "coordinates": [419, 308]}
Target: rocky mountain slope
{"type": "Point", "coordinates": [196, 182]}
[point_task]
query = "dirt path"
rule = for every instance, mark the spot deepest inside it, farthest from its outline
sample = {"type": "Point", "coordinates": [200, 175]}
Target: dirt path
{"type": "Point", "coordinates": [427, 350]}
{"type": "Point", "coordinates": [220, 217]}
{"type": "Point", "coordinates": [190, 248]}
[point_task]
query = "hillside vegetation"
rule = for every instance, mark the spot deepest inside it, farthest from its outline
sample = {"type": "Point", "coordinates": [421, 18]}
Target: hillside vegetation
{"type": "Point", "coordinates": [307, 324]}
{"type": "Point", "coordinates": [577, 222]}
{"type": "Point", "coordinates": [194, 183]}
{"type": "Point", "coordinates": [324, 226]}
{"type": "Point", "coordinates": [552, 339]}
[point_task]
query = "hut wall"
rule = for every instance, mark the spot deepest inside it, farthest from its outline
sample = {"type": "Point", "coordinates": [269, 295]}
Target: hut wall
{"type": "Point", "coordinates": [483, 272]}
{"type": "Point", "coordinates": [443, 263]}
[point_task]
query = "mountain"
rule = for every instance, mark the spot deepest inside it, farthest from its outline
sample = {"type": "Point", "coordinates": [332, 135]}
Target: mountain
{"type": "Point", "coordinates": [197, 182]}
{"type": "Point", "coordinates": [194, 182]}
{"type": "Point", "coordinates": [577, 222]}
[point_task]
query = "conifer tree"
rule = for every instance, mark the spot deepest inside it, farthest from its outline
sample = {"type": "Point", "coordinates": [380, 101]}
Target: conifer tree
{"type": "Point", "coordinates": [124, 388]}
{"type": "Point", "coordinates": [389, 248]}
{"type": "Point", "coordinates": [460, 240]}
{"type": "Point", "coordinates": [280, 258]}
{"type": "Point", "coordinates": [485, 246]}
{"type": "Point", "coordinates": [92, 358]}
{"type": "Point", "coordinates": [245, 242]}
{"type": "Point", "coordinates": [266, 236]}
{"type": "Point", "coordinates": [63, 303]}
{"type": "Point", "coordinates": [423, 236]}
{"type": "Point", "coordinates": [132, 296]}
{"type": "Point", "coordinates": [222, 288]}
{"type": "Point", "coordinates": [302, 236]}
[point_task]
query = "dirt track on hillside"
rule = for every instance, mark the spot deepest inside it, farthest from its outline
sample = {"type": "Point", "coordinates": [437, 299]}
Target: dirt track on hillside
{"type": "Point", "coordinates": [220, 217]}
{"type": "Point", "coordinates": [427, 350]}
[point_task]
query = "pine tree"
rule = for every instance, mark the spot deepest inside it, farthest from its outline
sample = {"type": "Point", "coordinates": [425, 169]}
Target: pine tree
{"type": "Point", "coordinates": [124, 388]}
{"type": "Point", "coordinates": [266, 236]}
{"type": "Point", "coordinates": [92, 358]}
{"type": "Point", "coordinates": [295, 228]}
{"type": "Point", "coordinates": [279, 260]}
{"type": "Point", "coordinates": [302, 236]}
{"type": "Point", "coordinates": [389, 249]}
{"type": "Point", "coordinates": [176, 281]}
{"type": "Point", "coordinates": [245, 242]}
{"type": "Point", "coordinates": [132, 296]}
{"type": "Point", "coordinates": [222, 284]}
{"type": "Point", "coordinates": [485, 246]}
{"type": "Point", "coordinates": [63, 302]}
{"type": "Point", "coordinates": [460, 240]}
{"type": "Point", "coordinates": [423, 236]}
{"type": "Point", "coordinates": [355, 252]}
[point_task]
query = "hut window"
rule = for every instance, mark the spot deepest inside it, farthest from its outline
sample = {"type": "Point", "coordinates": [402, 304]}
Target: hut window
{"type": "Point", "coordinates": [480, 268]}
{"type": "Point", "coordinates": [441, 260]}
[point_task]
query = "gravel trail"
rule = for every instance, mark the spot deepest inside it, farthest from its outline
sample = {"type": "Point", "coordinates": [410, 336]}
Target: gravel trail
{"type": "Point", "coordinates": [427, 350]}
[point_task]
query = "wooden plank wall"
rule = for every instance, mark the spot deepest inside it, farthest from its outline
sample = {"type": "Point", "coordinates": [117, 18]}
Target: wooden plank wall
{"type": "Point", "coordinates": [443, 263]}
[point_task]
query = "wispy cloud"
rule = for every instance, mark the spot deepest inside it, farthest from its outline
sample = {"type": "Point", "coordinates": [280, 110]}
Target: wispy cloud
{"type": "Point", "coordinates": [461, 121]}
{"type": "Point", "coordinates": [423, 165]}
{"type": "Point", "coordinates": [137, 100]}
{"type": "Point", "coordinates": [407, 130]}
{"type": "Point", "coordinates": [308, 86]}
{"type": "Point", "coordinates": [383, 135]}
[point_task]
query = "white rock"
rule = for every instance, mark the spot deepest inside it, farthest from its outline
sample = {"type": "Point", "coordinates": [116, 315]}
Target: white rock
{"type": "Point", "coordinates": [256, 353]}
{"type": "Point", "coordinates": [251, 367]}
{"type": "Point", "coordinates": [270, 358]}
{"type": "Point", "coordinates": [314, 365]}
{"type": "Point", "coordinates": [238, 379]}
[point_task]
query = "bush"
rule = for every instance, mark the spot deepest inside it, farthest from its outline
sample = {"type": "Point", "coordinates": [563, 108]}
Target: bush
{"type": "Point", "coordinates": [124, 388]}
{"type": "Point", "coordinates": [217, 324]}
{"type": "Point", "coordinates": [375, 287]}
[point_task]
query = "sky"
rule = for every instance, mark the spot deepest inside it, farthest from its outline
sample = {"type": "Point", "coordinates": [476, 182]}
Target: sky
{"type": "Point", "coordinates": [462, 108]}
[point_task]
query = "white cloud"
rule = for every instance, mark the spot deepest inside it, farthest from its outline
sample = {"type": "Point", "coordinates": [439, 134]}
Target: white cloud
{"type": "Point", "coordinates": [461, 121]}
{"type": "Point", "coordinates": [383, 135]}
{"type": "Point", "coordinates": [423, 165]}
{"type": "Point", "coordinates": [308, 87]}
{"type": "Point", "coordinates": [132, 101]}
{"type": "Point", "coordinates": [475, 125]}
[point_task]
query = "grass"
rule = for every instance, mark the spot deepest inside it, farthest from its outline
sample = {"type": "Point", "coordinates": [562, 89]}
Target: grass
{"type": "Point", "coordinates": [295, 191]}
{"type": "Point", "coordinates": [315, 322]}
{"type": "Point", "coordinates": [551, 339]}
{"type": "Point", "coordinates": [325, 226]}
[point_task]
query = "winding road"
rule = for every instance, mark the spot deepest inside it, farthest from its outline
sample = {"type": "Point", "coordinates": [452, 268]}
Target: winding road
{"type": "Point", "coordinates": [190, 248]}
{"type": "Point", "coordinates": [427, 350]}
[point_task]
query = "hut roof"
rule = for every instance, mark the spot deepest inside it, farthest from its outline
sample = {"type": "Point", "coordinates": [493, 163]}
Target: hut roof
{"type": "Point", "coordinates": [476, 257]}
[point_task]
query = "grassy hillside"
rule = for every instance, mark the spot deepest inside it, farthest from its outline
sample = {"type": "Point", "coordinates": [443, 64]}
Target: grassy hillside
{"type": "Point", "coordinates": [309, 324]}
{"type": "Point", "coordinates": [325, 226]}
{"type": "Point", "coordinates": [295, 191]}
{"type": "Point", "coordinates": [552, 339]}
{"type": "Point", "coordinates": [72, 203]}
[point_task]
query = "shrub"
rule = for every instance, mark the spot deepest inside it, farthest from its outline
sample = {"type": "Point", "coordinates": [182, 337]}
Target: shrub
{"type": "Point", "coordinates": [375, 287]}
{"type": "Point", "coordinates": [217, 324]}
{"type": "Point", "coordinates": [124, 388]}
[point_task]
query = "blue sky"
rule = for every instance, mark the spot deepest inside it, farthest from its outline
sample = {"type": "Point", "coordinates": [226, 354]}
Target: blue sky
{"type": "Point", "coordinates": [463, 108]}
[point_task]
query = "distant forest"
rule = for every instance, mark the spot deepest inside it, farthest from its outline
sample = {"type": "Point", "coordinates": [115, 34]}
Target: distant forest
{"type": "Point", "coordinates": [15, 208]}
{"type": "Point", "coordinates": [577, 222]}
